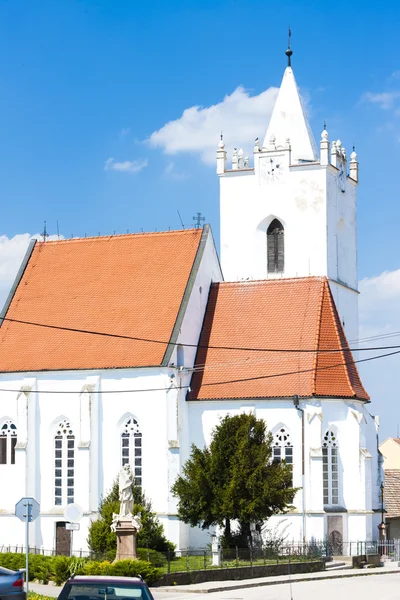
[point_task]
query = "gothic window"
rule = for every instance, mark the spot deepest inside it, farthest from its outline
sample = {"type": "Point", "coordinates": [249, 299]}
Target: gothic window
{"type": "Point", "coordinates": [282, 447]}
{"type": "Point", "coordinates": [275, 247]}
{"type": "Point", "coordinates": [131, 448]}
{"type": "Point", "coordinates": [8, 441]}
{"type": "Point", "coordinates": [330, 466]}
{"type": "Point", "coordinates": [64, 464]}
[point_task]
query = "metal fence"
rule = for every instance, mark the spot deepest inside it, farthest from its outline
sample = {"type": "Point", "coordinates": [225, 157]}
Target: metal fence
{"type": "Point", "coordinates": [194, 560]}
{"type": "Point", "coordinates": [273, 553]}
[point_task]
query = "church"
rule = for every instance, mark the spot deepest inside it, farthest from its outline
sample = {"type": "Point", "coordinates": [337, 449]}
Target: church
{"type": "Point", "coordinates": [128, 349]}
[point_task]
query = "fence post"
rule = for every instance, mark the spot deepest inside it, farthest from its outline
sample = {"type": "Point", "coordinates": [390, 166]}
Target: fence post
{"type": "Point", "coordinates": [169, 561]}
{"type": "Point", "coordinates": [205, 560]}
{"type": "Point", "coordinates": [251, 555]}
{"type": "Point", "coordinates": [187, 560]}
{"type": "Point", "coordinates": [237, 557]}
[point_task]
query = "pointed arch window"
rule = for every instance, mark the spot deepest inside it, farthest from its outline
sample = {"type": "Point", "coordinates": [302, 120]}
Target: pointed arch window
{"type": "Point", "coordinates": [64, 464]}
{"type": "Point", "coordinates": [131, 448]}
{"type": "Point", "coordinates": [275, 247]}
{"type": "Point", "coordinates": [330, 468]}
{"type": "Point", "coordinates": [8, 441]}
{"type": "Point", "coordinates": [282, 447]}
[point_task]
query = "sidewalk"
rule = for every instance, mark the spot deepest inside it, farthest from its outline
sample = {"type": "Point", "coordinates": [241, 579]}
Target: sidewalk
{"type": "Point", "coordinates": [221, 586]}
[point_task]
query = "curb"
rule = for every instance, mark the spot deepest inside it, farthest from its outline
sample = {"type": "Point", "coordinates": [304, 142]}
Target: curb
{"type": "Point", "coordinates": [294, 579]}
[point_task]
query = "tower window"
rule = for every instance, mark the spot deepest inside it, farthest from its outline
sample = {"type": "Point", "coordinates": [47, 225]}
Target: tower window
{"type": "Point", "coordinates": [275, 247]}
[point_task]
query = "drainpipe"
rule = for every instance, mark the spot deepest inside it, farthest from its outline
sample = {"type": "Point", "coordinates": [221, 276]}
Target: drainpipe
{"type": "Point", "coordinates": [296, 403]}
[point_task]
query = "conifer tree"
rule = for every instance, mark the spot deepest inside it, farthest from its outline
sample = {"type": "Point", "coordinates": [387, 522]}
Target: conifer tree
{"type": "Point", "coordinates": [235, 478]}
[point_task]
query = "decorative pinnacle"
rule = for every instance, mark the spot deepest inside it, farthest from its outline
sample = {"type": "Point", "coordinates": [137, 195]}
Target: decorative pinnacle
{"type": "Point", "coordinates": [289, 51]}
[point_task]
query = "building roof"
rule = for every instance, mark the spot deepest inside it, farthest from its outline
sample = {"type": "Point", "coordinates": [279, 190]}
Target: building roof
{"type": "Point", "coordinates": [392, 492]}
{"type": "Point", "coordinates": [130, 285]}
{"type": "Point", "coordinates": [289, 121]}
{"type": "Point", "coordinates": [288, 314]}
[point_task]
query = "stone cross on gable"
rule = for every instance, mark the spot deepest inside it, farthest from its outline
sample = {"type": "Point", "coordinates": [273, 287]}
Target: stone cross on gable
{"type": "Point", "coordinates": [198, 219]}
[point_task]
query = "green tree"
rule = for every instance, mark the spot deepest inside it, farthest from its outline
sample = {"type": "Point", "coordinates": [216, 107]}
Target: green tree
{"type": "Point", "coordinates": [103, 541]}
{"type": "Point", "coordinates": [235, 478]}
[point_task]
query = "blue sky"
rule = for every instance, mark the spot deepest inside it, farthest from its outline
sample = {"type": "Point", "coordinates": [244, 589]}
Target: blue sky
{"type": "Point", "coordinates": [85, 84]}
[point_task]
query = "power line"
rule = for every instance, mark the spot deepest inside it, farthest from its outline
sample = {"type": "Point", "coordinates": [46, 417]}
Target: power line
{"type": "Point", "coordinates": [183, 387]}
{"type": "Point", "coordinates": [210, 347]}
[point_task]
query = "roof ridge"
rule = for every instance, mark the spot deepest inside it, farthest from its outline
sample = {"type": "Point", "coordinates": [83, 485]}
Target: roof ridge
{"type": "Point", "coordinates": [317, 336]}
{"type": "Point", "coordinates": [271, 281]}
{"type": "Point", "coordinates": [119, 236]}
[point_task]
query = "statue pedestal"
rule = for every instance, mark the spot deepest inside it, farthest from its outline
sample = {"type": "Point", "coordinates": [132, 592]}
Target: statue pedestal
{"type": "Point", "coordinates": [126, 540]}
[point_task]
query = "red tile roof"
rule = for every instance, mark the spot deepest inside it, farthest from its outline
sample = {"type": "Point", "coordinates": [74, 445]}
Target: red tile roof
{"type": "Point", "coordinates": [128, 285]}
{"type": "Point", "coordinates": [288, 314]}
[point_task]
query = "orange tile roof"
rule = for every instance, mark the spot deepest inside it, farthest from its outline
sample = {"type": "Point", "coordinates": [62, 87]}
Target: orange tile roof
{"type": "Point", "coordinates": [277, 314]}
{"type": "Point", "coordinates": [128, 285]}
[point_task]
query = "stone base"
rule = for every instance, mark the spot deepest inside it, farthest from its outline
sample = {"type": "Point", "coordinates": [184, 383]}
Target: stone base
{"type": "Point", "coordinates": [126, 541]}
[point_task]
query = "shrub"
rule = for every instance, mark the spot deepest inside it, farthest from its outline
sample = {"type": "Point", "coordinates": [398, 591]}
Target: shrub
{"type": "Point", "coordinates": [157, 559]}
{"type": "Point", "coordinates": [39, 565]}
{"type": "Point", "coordinates": [132, 568]}
{"type": "Point", "coordinates": [60, 568]}
{"type": "Point", "coordinates": [61, 571]}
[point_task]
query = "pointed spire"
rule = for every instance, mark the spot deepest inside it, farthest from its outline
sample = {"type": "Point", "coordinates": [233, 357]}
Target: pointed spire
{"type": "Point", "coordinates": [289, 51]}
{"type": "Point", "coordinates": [289, 120]}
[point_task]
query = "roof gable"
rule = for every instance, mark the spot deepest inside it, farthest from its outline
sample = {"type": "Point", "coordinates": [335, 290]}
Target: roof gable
{"type": "Point", "coordinates": [129, 285]}
{"type": "Point", "coordinates": [284, 316]}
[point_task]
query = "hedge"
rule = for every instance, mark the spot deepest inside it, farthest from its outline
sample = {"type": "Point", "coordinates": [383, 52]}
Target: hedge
{"type": "Point", "coordinates": [60, 568]}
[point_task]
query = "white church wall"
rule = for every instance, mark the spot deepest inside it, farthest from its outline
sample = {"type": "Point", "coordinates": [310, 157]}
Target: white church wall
{"type": "Point", "coordinates": [342, 417]}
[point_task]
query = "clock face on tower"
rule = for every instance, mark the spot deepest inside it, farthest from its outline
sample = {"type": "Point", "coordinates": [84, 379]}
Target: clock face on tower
{"type": "Point", "coordinates": [272, 169]}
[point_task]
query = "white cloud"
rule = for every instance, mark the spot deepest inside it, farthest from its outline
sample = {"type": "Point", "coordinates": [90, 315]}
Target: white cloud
{"type": "Point", "coordinates": [126, 166]}
{"type": "Point", "coordinates": [240, 116]}
{"type": "Point", "coordinates": [386, 100]}
{"type": "Point", "coordinates": [12, 251]}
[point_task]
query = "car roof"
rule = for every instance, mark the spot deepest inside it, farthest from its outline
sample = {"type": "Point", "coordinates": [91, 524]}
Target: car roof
{"type": "Point", "coordinates": [105, 578]}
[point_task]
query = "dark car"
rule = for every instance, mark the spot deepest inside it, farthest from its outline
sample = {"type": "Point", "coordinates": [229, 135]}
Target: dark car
{"type": "Point", "coordinates": [102, 587]}
{"type": "Point", "coordinates": [11, 585]}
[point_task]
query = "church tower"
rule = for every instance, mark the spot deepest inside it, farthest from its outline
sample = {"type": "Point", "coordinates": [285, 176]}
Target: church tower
{"type": "Point", "coordinates": [293, 212]}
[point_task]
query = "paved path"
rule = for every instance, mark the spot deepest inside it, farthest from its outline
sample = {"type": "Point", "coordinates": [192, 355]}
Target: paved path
{"type": "Point", "coordinates": [219, 589]}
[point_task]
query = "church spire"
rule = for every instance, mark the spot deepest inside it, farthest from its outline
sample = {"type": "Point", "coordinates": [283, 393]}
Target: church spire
{"type": "Point", "coordinates": [289, 119]}
{"type": "Point", "coordinates": [289, 51]}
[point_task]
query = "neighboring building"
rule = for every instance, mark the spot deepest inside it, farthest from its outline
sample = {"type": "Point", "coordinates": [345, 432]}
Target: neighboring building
{"type": "Point", "coordinates": [75, 406]}
{"type": "Point", "coordinates": [390, 450]}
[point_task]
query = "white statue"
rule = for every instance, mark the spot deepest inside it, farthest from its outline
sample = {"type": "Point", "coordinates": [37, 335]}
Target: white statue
{"type": "Point", "coordinates": [125, 482]}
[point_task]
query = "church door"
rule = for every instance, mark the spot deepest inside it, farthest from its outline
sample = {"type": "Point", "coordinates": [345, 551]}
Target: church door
{"type": "Point", "coordinates": [336, 543]}
{"type": "Point", "coordinates": [63, 539]}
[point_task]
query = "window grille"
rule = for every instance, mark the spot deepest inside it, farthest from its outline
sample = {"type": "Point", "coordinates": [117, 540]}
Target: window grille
{"type": "Point", "coordinates": [131, 448]}
{"type": "Point", "coordinates": [64, 464]}
{"type": "Point", "coordinates": [8, 441]}
{"type": "Point", "coordinates": [330, 466]}
{"type": "Point", "coordinates": [275, 247]}
{"type": "Point", "coordinates": [282, 447]}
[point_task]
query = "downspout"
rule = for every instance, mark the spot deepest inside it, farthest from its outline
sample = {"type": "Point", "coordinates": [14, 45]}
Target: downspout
{"type": "Point", "coordinates": [296, 403]}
